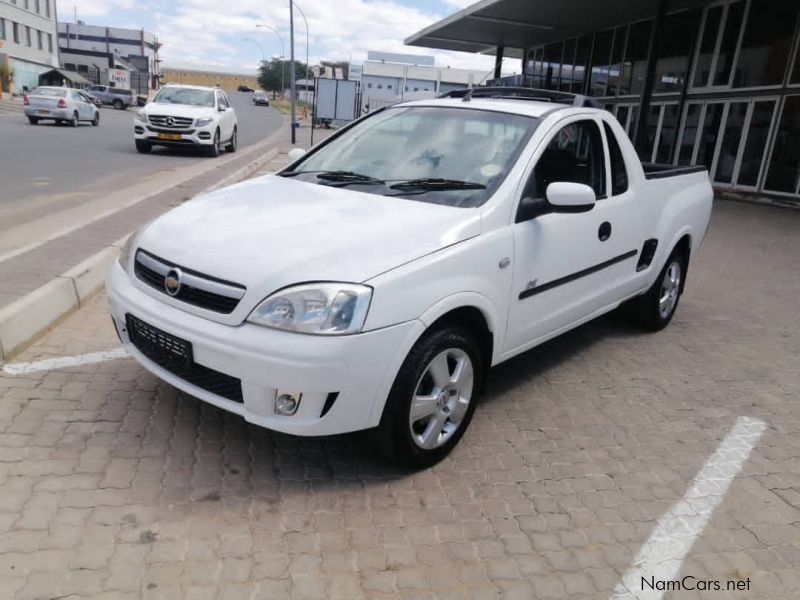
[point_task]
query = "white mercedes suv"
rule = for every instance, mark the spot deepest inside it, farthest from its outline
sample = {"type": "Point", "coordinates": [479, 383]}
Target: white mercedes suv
{"type": "Point", "coordinates": [187, 115]}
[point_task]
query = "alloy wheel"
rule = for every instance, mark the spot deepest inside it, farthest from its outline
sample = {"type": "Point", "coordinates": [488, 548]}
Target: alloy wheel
{"type": "Point", "coordinates": [670, 289]}
{"type": "Point", "coordinates": [441, 398]}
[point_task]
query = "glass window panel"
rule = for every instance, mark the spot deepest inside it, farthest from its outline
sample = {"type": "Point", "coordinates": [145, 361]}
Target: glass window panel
{"type": "Point", "coordinates": [600, 58]}
{"type": "Point", "coordinates": [707, 46]}
{"type": "Point", "coordinates": [784, 166]}
{"type": "Point", "coordinates": [708, 136]}
{"type": "Point", "coordinates": [567, 67]}
{"type": "Point", "coordinates": [633, 69]}
{"type": "Point", "coordinates": [731, 136]}
{"type": "Point", "coordinates": [622, 115]}
{"type": "Point", "coordinates": [669, 133]}
{"type": "Point", "coordinates": [766, 44]}
{"type": "Point", "coordinates": [689, 134]}
{"type": "Point", "coordinates": [615, 67]}
{"type": "Point", "coordinates": [574, 154]}
{"type": "Point", "coordinates": [632, 121]}
{"type": "Point", "coordinates": [650, 129]}
{"type": "Point", "coordinates": [553, 54]}
{"type": "Point", "coordinates": [730, 37]}
{"type": "Point", "coordinates": [619, 176]}
{"type": "Point", "coordinates": [796, 72]}
{"type": "Point", "coordinates": [673, 56]}
{"type": "Point", "coordinates": [756, 143]}
{"type": "Point", "coordinates": [581, 58]}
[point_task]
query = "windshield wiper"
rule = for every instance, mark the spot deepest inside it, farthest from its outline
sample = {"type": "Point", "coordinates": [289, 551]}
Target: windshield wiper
{"type": "Point", "coordinates": [434, 183]}
{"type": "Point", "coordinates": [342, 177]}
{"type": "Point", "coordinates": [347, 176]}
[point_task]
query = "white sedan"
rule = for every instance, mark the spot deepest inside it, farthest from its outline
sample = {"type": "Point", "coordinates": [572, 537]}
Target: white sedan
{"type": "Point", "coordinates": [59, 104]}
{"type": "Point", "coordinates": [374, 282]}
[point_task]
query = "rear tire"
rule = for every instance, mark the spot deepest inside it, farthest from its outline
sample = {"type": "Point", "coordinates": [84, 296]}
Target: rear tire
{"type": "Point", "coordinates": [118, 104]}
{"type": "Point", "coordinates": [33, 120]}
{"type": "Point", "coordinates": [74, 120]}
{"type": "Point", "coordinates": [654, 309]}
{"type": "Point", "coordinates": [231, 147]}
{"type": "Point", "coordinates": [443, 400]}
{"type": "Point", "coordinates": [212, 151]}
{"type": "Point", "coordinates": [143, 147]}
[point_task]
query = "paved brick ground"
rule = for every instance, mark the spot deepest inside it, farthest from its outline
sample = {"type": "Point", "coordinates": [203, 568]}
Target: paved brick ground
{"type": "Point", "coordinates": [114, 485]}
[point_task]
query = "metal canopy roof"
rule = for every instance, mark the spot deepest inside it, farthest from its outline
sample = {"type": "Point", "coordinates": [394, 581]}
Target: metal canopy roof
{"type": "Point", "coordinates": [520, 24]}
{"type": "Point", "coordinates": [70, 76]}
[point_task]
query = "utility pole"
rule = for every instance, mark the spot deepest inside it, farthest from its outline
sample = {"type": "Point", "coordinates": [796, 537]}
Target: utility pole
{"type": "Point", "coordinates": [291, 67]}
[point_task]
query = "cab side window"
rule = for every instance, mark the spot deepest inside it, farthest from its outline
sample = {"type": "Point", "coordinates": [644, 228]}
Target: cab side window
{"type": "Point", "coordinates": [619, 176]}
{"type": "Point", "coordinates": [575, 154]}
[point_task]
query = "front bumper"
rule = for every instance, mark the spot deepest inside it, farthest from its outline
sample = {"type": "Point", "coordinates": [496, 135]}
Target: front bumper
{"type": "Point", "coordinates": [359, 369]}
{"type": "Point", "coordinates": [48, 113]}
{"type": "Point", "coordinates": [194, 136]}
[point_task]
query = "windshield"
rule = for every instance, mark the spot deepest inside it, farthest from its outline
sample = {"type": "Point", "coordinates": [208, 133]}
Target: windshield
{"type": "Point", "coordinates": [190, 96]}
{"type": "Point", "coordinates": [445, 155]}
{"type": "Point", "coordinates": [259, 94]}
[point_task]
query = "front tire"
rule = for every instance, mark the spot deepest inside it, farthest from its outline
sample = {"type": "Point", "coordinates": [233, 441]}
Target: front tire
{"type": "Point", "coordinates": [212, 151]}
{"type": "Point", "coordinates": [231, 147]}
{"type": "Point", "coordinates": [654, 309]}
{"type": "Point", "coordinates": [33, 120]}
{"type": "Point", "coordinates": [143, 147]}
{"type": "Point", "coordinates": [433, 397]}
{"type": "Point", "coordinates": [96, 119]}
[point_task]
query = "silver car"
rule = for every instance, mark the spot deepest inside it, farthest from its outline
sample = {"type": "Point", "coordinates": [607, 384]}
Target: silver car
{"type": "Point", "coordinates": [62, 105]}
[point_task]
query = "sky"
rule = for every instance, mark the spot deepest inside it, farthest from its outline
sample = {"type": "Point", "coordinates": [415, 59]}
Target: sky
{"type": "Point", "coordinates": [217, 32]}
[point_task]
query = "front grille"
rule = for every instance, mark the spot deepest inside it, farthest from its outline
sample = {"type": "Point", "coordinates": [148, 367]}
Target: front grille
{"type": "Point", "coordinates": [171, 123]}
{"type": "Point", "coordinates": [196, 289]}
{"type": "Point", "coordinates": [173, 354]}
{"type": "Point", "coordinates": [165, 130]}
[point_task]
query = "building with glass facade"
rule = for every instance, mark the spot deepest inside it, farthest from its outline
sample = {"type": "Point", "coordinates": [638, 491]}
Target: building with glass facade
{"type": "Point", "coordinates": [28, 40]}
{"type": "Point", "coordinates": [693, 82]}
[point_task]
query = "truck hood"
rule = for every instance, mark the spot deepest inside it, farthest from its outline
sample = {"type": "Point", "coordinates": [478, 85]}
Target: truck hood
{"type": "Point", "coordinates": [271, 232]}
{"type": "Point", "coordinates": [179, 110]}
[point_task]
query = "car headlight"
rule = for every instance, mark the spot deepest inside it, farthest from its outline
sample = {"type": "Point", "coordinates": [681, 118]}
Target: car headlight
{"type": "Point", "coordinates": [203, 122]}
{"type": "Point", "coordinates": [316, 308]}
{"type": "Point", "coordinates": [127, 250]}
{"type": "Point", "coordinates": [140, 116]}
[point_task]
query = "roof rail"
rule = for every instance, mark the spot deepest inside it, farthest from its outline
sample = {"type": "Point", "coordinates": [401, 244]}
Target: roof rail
{"type": "Point", "coordinates": [522, 93]}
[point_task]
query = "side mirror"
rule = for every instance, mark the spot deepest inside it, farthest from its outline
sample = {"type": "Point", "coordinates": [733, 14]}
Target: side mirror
{"type": "Point", "coordinates": [569, 197]}
{"type": "Point", "coordinates": [296, 154]}
{"type": "Point", "coordinates": [222, 108]}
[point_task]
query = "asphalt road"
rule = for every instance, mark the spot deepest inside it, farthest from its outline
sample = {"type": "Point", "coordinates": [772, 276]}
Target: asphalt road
{"type": "Point", "coordinates": [51, 167]}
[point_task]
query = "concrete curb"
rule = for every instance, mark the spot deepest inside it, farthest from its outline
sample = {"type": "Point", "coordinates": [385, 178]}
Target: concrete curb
{"type": "Point", "coordinates": [26, 319]}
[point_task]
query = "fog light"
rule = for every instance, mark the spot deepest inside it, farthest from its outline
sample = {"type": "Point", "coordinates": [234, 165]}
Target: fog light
{"type": "Point", "coordinates": [287, 403]}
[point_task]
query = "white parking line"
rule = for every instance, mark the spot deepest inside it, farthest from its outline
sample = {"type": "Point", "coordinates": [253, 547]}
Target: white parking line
{"type": "Point", "coordinates": [64, 362]}
{"type": "Point", "coordinates": [661, 556]}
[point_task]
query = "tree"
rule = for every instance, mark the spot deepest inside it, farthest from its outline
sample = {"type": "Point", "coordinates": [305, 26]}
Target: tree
{"type": "Point", "coordinates": [269, 74]}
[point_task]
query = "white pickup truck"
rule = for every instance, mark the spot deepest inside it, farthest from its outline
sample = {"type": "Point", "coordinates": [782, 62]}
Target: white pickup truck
{"type": "Point", "coordinates": [373, 282]}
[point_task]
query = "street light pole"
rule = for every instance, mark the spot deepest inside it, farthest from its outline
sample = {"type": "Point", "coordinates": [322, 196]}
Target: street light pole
{"type": "Point", "coordinates": [283, 51]}
{"type": "Point", "coordinates": [263, 57]}
{"type": "Point", "coordinates": [297, 6]}
{"type": "Point", "coordinates": [291, 67]}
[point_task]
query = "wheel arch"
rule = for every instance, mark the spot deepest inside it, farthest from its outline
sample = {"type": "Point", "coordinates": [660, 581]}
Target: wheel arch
{"type": "Point", "coordinates": [472, 311]}
{"type": "Point", "coordinates": [684, 246]}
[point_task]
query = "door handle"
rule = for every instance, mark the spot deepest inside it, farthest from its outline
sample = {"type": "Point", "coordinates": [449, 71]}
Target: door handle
{"type": "Point", "coordinates": [604, 232]}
